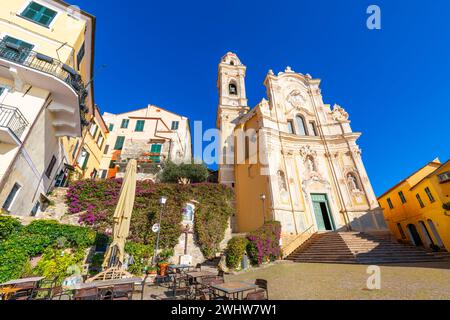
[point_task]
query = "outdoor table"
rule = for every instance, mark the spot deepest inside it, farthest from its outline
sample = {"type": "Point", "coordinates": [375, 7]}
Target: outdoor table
{"type": "Point", "coordinates": [180, 267]}
{"type": "Point", "coordinates": [199, 274]}
{"type": "Point", "coordinates": [18, 282]}
{"type": "Point", "coordinates": [234, 288]}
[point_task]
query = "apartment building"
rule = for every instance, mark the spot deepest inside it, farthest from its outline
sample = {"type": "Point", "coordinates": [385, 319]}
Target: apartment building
{"type": "Point", "coordinates": [150, 135]}
{"type": "Point", "coordinates": [46, 63]}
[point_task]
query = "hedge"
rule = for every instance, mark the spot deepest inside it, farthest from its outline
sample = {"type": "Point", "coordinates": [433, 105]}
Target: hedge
{"type": "Point", "coordinates": [8, 225]}
{"type": "Point", "coordinates": [34, 240]}
{"type": "Point", "coordinates": [235, 251]}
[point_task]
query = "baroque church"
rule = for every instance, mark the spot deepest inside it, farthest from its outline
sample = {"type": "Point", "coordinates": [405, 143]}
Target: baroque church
{"type": "Point", "coordinates": [305, 169]}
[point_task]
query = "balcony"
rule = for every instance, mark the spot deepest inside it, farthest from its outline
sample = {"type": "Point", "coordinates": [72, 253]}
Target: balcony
{"type": "Point", "coordinates": [12, 124]}
{"type": "Point", "coordinates": [43, 63]}
{"type": "Point", "coordinates": [69, 94]}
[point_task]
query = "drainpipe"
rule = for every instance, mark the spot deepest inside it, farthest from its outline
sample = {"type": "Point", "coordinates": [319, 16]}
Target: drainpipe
{"type": "Point", "coordinates": [330, 162]}
{"type": "Point", "coordinates": [283, 154]}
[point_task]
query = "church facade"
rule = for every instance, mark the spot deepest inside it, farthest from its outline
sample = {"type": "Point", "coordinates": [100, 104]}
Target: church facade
{"type": "Point", "coordinates": [292, 158]}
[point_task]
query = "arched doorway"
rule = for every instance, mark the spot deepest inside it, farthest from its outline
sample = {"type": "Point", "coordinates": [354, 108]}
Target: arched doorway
{"type": "Point", "coordinates": [425, 234]}
{"type": "Point", "coordinates": [435, 233]}
{"type": "Point", "coordinates": [415, 237]}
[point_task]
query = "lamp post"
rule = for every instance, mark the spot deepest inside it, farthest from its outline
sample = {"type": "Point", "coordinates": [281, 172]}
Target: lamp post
{"type": "Point", "coordinates": [263, 199]}
{"type": "Point", "coordinates": [162, 202]}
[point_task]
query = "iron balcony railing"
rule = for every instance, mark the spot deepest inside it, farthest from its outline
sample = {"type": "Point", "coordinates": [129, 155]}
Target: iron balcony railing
{"type": "Point", "coordinates": [13, 119]}
{"type": "Point", "coordinates": [43, 63]}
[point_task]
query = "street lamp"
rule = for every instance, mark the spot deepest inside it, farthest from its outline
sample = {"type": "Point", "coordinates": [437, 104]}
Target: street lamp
{"type": "Point", "coordinates": [162, 203]}
{"type": "Point", "coordinates": [263, 199]}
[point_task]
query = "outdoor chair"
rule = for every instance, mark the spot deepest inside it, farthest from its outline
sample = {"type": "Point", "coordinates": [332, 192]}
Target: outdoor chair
{"type": "Point", "coordinates": [58, 293]}
{"type": "Point", "coordinates": [123, 292]}
{"type": "Point", "coordinates": [258, 295]}
{"type": "Point", "coordinates": [198, 267]}
{"type": "Point", "coordinates": [205, 290]}
{"type": "Point", "coordinates": [221, 274]}
{"type": "Point", "coordinates": [26, 291]}
{"type": "Point", "coordinates": [263, 287]}
{"type": "Point", "coordinates": [106, 293]}
{"type": "Point", "coordinates": [86, 294]}
{"type": "Point", "coordinates": [45, 289]}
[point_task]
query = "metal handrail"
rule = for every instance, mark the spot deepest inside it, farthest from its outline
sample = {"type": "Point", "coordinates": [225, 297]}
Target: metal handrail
{"type": "Point", "coordinates": [293, 242]}
{"type": "Point", "coordinates": [13, 119]}
{"type": "Point", "coordinates": [41, 62]}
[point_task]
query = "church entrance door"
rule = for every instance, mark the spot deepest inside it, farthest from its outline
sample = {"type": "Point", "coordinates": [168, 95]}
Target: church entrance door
{"type": "Point", "coordinates": [322, 212]}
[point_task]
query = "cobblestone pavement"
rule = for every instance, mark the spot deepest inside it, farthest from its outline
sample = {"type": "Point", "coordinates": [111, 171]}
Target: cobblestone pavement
{"type": "Point", "coordinates": [301, 281]}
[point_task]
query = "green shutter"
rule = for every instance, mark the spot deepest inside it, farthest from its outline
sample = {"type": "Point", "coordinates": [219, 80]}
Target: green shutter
{"type": "Point", "coordinates": [175, 125]}
{"type": "Point", "coordinates": [85, 161]}
{"type": "Point", "coordinates": [119, 143]}
{"type": "Point", "coordinates": [140, 125]}
{"type": "Point", "coordinates": [124, 124]}
{"type": "Point", "coordinates": [111, 127]}
{"type": "Point", "coordinates": [13, 55]}
{"type": "Point", "coordinates": [39, 14]}
{"type": "Point", "coordinates": [156, 149]}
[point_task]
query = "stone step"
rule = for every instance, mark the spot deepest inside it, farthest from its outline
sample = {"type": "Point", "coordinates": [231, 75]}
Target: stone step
{"type": "Point", "coordinates": [356, 247]}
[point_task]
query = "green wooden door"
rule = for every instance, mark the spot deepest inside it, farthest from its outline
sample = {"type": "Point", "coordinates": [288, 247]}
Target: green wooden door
{"type": "Point", "coordinates": [319, 217]}
{"type": "Point", "coordinates": [321, 209]}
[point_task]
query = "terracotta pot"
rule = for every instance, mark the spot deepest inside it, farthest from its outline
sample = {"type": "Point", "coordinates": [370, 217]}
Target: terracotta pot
{"type": "Point", "coordinates": [163, 269]}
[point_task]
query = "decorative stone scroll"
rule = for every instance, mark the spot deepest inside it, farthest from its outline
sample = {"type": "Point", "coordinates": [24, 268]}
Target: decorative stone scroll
{"type": "Point", "coordinates": [339, 113]}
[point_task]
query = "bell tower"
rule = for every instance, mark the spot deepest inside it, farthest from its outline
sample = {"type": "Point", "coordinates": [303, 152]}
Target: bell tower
{"type": "Point", "coordinates": [232, 106]}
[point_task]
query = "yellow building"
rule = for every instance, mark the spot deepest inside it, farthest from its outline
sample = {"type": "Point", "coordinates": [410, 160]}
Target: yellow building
{"type": "Point", "coordinates": [86, 152]}
{"type": "Point", "coordinates": [46, 59]}
{"type": "Point", "coordinates": [414, 208]}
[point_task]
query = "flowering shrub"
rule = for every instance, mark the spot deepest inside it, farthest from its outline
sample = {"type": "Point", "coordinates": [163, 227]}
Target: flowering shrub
{"type": "Point", "coordinates": [264, 243]}
{"type": "Point", "coordinates": [97, 199]}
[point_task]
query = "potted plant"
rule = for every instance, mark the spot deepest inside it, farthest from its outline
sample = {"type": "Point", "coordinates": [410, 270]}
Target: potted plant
{"type": "Point", "coordinates": [151, 270]}
{"type": "Point", "coordinates": [163, 264]}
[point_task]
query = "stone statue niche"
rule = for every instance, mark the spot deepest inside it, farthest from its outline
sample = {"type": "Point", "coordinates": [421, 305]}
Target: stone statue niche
{"type": "Point", "coordinates": [353, 182]}
{"type": "Point", "coordinates": [281, 180]}
{"type": "Point", "coordinates": [310, 164]}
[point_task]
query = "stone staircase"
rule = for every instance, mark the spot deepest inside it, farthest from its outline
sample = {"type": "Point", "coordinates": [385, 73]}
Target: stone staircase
{"type": "Point", "coordinates": [358, 248]}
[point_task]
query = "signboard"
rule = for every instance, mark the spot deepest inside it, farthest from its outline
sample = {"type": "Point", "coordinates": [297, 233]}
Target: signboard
{"type": "Point", "coordinates": [155, 227]}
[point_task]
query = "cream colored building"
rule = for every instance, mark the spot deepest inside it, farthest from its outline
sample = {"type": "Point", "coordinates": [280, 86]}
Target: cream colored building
{"type": "Point", "coordinates": [292, 158]}
{"type": "Point", "coordinates": [151, 135]}
{"type": "Point", "coordinates": [46, 57]}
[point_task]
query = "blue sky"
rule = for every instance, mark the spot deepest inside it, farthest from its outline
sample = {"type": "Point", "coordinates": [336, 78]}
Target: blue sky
{"type": "Point", "coordinates": [394, 82]}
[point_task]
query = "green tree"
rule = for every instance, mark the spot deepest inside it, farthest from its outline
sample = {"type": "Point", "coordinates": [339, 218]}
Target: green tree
{"type": "Point", "coordinates": [173, 172]}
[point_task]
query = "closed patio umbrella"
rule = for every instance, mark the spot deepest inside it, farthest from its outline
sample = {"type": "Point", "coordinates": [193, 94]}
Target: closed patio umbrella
{"type": "Point", "coordinates": [122, 216]}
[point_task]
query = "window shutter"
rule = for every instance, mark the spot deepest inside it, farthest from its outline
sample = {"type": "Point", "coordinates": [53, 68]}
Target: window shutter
{"type": "Point", "coordinates": [86, 160]}
{"type": "Point", "coordinates": [119, 143]}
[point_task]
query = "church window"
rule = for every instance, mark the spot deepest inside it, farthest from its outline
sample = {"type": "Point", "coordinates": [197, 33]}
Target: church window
{"type": "Point", "coordinates": [312, 128]}
{"type": "Point", "coordinates": [233, 89]}
{"type": "Point", "coordinates": [290, 124]}
{"type": "Point", "coordinates": [301, 126]}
